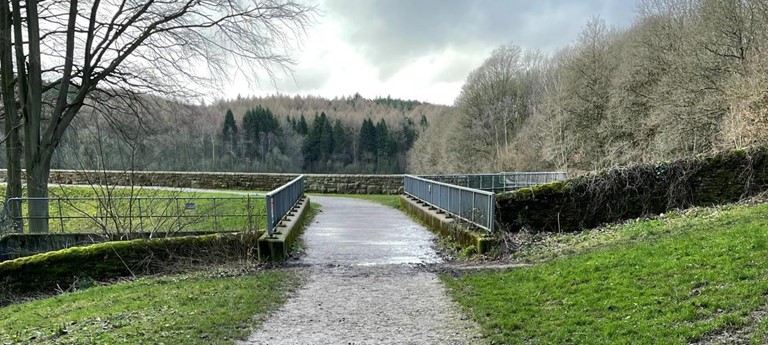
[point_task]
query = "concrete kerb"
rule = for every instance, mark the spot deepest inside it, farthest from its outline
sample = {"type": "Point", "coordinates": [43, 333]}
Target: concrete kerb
{"type": "Point", "coordinates": [446, 226]}
{"type": "Point", "coordinates": [278, 247]}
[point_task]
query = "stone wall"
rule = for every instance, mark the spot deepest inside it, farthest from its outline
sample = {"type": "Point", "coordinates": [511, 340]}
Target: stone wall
{"type": "Point", "coordinates": [314, 183]}
{"type": "Point", "coordinates": [633, 191]}
{"type": "Point", "coordinates": [14, 246]}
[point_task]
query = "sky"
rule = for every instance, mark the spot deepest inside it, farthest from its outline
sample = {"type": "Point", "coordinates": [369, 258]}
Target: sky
{"type": "Point", "coordinates": [420, 49]}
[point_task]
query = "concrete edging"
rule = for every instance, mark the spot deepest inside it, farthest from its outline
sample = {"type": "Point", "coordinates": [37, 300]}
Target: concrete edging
{"type": "Point", "coordinates": [445, 226]}
{"type": "Point", "coordinates": [278, 247]}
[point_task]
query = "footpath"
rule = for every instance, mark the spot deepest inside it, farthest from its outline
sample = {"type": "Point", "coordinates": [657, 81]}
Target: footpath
{"type": "Point", "coordinates": [366, 283]}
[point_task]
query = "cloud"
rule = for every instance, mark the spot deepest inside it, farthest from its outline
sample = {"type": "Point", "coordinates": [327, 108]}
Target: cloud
{"type": "Point", "coordinates": [392, 33]}
{"type": "Point", "coordinates": [422, 49]}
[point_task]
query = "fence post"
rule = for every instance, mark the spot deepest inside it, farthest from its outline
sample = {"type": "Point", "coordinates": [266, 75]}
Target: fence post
{"type": "Point", "coordinates": [215, 218]}
{"type": "Point", "coordinates": [141, 218]}
{"type": "Point", "coordinates": [61, 217]}
{"type": "Point", "coordinates": [249, 212]}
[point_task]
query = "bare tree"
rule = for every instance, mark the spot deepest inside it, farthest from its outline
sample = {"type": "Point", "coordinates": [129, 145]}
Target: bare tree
{"type": "Point", "coordinates": [11, 114]}
{"type": "Point", "coordinates": [494, 102]}
{"type": "Point", "coordinates": [72, 54]}
{"type": "Point", "coordinates": [588, 80]}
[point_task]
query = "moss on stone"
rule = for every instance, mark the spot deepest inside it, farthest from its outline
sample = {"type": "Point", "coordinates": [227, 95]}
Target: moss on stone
{"type": "Point", "coordinates": [47, 271]}
{"type": "Point", "coordinates": [632, 191]}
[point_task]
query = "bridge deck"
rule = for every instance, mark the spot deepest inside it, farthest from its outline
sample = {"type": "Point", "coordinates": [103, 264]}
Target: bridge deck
{"type": "Point", "coordinates": [365, 284]}
{"type": "Point", "coordinates": [356, 232]}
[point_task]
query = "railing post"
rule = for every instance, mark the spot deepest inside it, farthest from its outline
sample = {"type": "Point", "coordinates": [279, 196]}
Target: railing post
{"type": "Point", "coordinates": [270, 214]}
{"type": "Point", "coordinates": [492, 213]}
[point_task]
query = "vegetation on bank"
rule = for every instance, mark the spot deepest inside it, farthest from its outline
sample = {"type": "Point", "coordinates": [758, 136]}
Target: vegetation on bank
{"type": "Point", "coordinates": [674, 280]}
{"type": "Point", "coordinates": [210, 307]}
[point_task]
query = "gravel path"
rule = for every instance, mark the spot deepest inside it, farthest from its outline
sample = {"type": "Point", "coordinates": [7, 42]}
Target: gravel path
{"type": "Point", "coordinates": [366, 284]}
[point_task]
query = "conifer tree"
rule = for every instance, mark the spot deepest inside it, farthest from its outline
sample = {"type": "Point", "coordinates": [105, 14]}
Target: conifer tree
{"type": "Point", "coordinates": [302, 127]}
{"type": "Point", "coordinates": [229, 133]}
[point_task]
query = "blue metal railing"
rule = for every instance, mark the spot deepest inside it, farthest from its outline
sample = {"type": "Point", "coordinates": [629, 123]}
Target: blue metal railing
{"type": "Point", "coordinates": [472, 205]}
{"type": "Point", "coordinates": [281, 201]}
{"type": "Point", "coordinates": [501, 182]}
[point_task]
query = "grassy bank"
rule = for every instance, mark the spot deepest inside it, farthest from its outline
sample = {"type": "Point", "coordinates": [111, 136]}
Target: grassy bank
{"type": "Point", "coordinates": [212, 307]}
{"type": "Point", "coordinates": [666, 281]}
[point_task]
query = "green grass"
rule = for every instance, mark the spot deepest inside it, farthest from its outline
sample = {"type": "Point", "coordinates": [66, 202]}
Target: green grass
{"type": "Point", "coordinates": [159, 210]}
{"type": "Point", "coordinates": [667, 281]}
{"type": "Point", "coordinates": [198, 308]}
{"type": "Point", "coordinates": [386, 200]}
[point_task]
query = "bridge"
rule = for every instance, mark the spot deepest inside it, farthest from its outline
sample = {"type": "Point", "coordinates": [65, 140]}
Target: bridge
{"type": "Point", "coordinates": [369, 269]}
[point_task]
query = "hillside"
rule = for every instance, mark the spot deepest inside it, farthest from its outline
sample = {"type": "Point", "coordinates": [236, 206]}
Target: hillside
{"type": "Point", "coordinates": [270, 134]}
{"type": "Point", "coordinates": [685, 77]}
{"type": "Point", "coordinates": [350, 110]}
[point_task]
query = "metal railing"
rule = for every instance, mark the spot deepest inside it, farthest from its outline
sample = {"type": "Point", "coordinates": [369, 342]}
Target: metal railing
{"type": "Point", "coordinates": [118, 215]}
{"type": "Point", "coordinates": [500, 182]}
{"type": "Point", "coordinates": [281, 201]}
{"type": "Point", "coordinates": [473, 205]}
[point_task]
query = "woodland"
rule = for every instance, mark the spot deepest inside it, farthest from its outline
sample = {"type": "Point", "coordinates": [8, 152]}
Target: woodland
{"type": "Point", "coordinates": [685, 77]}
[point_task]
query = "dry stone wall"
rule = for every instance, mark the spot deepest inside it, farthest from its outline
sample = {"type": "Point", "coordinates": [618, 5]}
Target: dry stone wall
{"type": "Point", "coordinates": [633, 191]}
{"type": "Point", "coordinates": [314, 183]}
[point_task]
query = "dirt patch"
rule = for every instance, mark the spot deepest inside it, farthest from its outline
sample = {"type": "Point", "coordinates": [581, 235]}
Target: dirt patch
{"type": "Point", "coordinates": [736, 336]}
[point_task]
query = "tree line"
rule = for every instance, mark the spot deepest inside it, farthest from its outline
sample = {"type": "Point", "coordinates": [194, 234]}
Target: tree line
{"type": "Point", "coordinates": [272, 134]}
{"type": "Point", "coordinates": [686, 77]}
{"type": "Point", "coordinates": [322, 145]}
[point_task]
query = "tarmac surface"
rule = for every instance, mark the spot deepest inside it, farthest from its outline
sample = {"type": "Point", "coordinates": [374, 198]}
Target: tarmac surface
{"type": "Point", "coordinates": [362, 233]}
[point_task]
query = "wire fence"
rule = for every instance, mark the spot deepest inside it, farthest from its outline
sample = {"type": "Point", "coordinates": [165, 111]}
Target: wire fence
{"type": "Point", "coordinates": [472, 205]}
{"type": "Point", "coordinates": [118, 215]}
{"type": "Point", "coordinates": [500, 182]}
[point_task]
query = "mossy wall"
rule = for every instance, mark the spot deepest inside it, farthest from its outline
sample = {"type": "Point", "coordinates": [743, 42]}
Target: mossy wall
{"type": "Point", "coordinates": [633, 191]}
{"type": "Point", "coordinates": [46, 272]}
{"type": "Point", "coordinates": [14, 246]}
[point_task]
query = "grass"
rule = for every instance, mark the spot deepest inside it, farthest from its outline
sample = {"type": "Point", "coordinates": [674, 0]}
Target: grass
{"type": "Point", "coordinates": [159, 210]}
{"type": "Point", "coordinates": [664, 281]}
{"type": "Point", "coordinates": [386, 200]}
{"type": "Point", "coordinates": [197, 308]}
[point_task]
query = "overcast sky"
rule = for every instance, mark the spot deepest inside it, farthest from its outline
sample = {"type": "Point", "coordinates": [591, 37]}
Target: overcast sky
{"type": "Point", "coordinates": [423, 49]}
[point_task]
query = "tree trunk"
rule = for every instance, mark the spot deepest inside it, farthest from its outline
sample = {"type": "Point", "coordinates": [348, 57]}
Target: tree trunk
{"type": "Point", "coordinates": [13, 142]}
{"type": "Point", "coordinates": [37, 189]}
{"type": "Point", "coordinates": [36, 156]}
